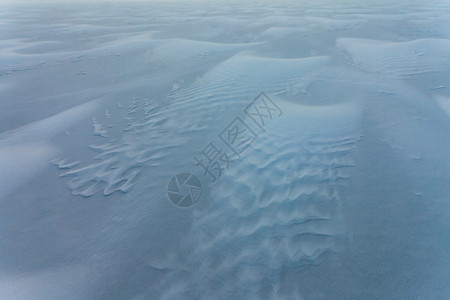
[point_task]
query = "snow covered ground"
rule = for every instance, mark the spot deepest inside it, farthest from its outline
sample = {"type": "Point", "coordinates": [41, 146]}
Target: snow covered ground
{"type": "Point", "coordinates": [319, 132]}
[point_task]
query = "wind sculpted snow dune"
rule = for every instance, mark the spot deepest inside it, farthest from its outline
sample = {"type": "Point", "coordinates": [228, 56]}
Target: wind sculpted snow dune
{"type": "Point", "coordinates": [399, 59]}
{"type": "Point", "coordinates": [277, 212]}
{"type": "Point", "coordinates": [341, 193]}
{"type": "Point", "coordinates": [18, 164]}
{"type": "Point", "coordinates": [191, 115]}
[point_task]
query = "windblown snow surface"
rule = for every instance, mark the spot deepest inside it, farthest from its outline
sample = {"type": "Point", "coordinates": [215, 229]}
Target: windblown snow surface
{"type": "Point", "coordinates": [343, 194]}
